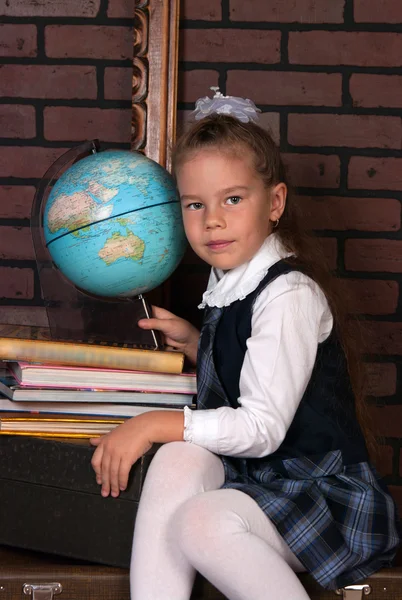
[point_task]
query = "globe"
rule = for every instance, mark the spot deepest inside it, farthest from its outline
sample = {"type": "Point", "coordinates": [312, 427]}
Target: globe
{"type": "Point", "coordinates": [112, 224]}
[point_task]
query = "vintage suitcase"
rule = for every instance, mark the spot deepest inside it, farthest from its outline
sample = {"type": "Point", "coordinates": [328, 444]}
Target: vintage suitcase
{"type": "Point", "coordinates": [51, 502]}
{"type": "Point", "coordinates": [43, 577]}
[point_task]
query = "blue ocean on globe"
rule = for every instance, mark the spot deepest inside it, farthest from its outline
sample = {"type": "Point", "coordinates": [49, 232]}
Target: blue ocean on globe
{"type": "Point", "coordinates": [113, 225]}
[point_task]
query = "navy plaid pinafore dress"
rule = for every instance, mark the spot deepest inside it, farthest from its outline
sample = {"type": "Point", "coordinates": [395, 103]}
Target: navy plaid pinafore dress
{"type": "Point", "coordinates": [318, 488]}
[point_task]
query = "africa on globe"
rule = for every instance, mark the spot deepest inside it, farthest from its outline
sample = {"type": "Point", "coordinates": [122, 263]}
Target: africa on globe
{"type": "Point", "coordinates": [113, 225]}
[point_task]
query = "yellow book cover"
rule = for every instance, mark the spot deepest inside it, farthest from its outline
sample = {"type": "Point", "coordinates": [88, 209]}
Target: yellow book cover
{"type": "Point", "coordinates": [33, 344]}
{"type": "Point", "coordinates": [56, 426]}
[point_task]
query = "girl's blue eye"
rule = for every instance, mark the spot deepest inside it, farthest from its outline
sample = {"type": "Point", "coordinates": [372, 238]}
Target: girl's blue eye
{"type": "Point", "coordinates": [195, 206]}
{"type": "Point", "coordinates": [234, 200]}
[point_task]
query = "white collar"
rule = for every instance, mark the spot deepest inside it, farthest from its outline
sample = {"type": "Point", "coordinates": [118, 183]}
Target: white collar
{"type": "Point", "coordinates": [227, 287]}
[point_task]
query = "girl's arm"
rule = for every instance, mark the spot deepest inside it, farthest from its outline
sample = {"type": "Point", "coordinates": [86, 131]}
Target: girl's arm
{"type": "Point", "coordinates": [117, 451]}
{"type": "Point", "coordinates": [178, 333]}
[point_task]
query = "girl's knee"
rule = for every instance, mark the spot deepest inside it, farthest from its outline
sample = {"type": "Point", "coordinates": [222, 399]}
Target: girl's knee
{"type": "Point", "coordinates": [201, 520]}
{"type": "Point", "coordinates": [168, 453]}
{"type": "Point", "coordinates": [181, 461]}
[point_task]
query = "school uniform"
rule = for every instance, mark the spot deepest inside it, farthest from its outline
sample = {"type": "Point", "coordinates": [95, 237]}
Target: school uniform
{"type": "Point", "coordinates": [275, 402]}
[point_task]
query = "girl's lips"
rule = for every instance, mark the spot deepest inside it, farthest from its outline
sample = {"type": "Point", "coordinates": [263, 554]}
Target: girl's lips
{"type": "Point", "coordinates": [219, 244]}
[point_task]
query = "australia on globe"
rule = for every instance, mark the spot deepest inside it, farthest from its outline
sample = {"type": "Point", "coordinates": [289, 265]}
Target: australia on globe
{"type": "Point", "coordinates": [112, 224]}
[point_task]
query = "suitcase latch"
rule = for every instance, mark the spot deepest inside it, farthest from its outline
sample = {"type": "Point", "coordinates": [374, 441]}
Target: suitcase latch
{"type": "Point", "coordinates": [42, 591]}
{"type": "Point", "coordinates": [354, 592]}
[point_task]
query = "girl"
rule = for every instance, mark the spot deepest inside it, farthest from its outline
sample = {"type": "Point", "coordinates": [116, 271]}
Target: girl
{"type": "Point", "coordinates": [270, 476]}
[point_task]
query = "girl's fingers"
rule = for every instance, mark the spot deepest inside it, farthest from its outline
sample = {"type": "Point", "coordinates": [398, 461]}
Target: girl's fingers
{"type": "Point", "coordinates": [124, 471]}
{"type": "Point", "coordinates": [96, 463]}
{"type": "Point", "coordinates": [105, 472]}
{"type": "Point", "coordinates": [162, 313]}
{"type": "Point", "coordinates": [114, 472]}
{"type": "Point", "coordinates": [152, 323]}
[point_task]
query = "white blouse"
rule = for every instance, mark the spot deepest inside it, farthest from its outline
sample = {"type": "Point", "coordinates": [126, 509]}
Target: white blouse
{"type": "Point", "coordinates": [291, 317]}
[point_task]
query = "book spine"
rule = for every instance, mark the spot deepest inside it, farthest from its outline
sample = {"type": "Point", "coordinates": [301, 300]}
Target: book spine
{"type": "Point", "coordinates": [52, 435]}
{"type": "Point", "coordinates": [85, 355]}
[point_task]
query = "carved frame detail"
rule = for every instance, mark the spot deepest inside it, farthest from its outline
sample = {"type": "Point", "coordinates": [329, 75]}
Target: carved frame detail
{"type": "Point", "coordinates": [154, 83]}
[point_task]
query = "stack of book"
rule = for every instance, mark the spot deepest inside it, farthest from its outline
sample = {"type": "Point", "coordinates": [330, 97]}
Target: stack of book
{"type": "Point", "coordinates": [67, 389]}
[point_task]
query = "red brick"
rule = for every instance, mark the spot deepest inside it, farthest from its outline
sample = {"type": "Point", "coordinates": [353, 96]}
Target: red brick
{"type": "Point", "coordinates": [364, 48]}
{"type": "Point", "coordinates": [208, 10]}
{"type": "Point", "coordinates": [330, 249]}
{"type": "Point", "coordinates": [387, 420]}
{"type": "Point", "coordinates": [383, 459]}
{"type": "Point", "coordinates": [287, 88]}
{"type": "Point", "coordinates": [121, 9]}
{"type": "Point", "coordinates": [16, 283]}
{"type": "Point", "coordinates": [356, 131]}
{"type": "Point", "coordinates": [288, 11]}
{"type": "Point", "coordinates": [195, 84]}
{"type": "Point", "coordinates": [40, 81]}
{"type": "Point", "coordinates": [16, 201]}
{"type": "Point", "coordinates": [376, 90]}
{"type": "Point", "coordinates": [27, 161]}
{"type": "Point", "coordinates": [76, 124]}
{"type": "Point", "coordinates": [16, 243]}
{"type": "Point", "coordinates": [375, 173]}
{"type": "Point", "coordinates": [385, 338]}
{"type": "Point", "coordinates": [341, 214]}
{"type": "Point", "coordinates": [49, 8]}
{"type": "Point", "coordinates": [17, 121]}
{"type": "Point", "coordinates": [313, 170]}
{"type": "Point", "coordinates": [384, 11]}
{"type": "Point", "coordinates": [381, 379]}
{"type": "Point", "coordinates": [18, 40]}
{"type": "Point", "coordinates": [24, 315]}
{"type": "Point", "coordinates": [118, 83]}
{"type": "Point", "coordinates": [89, 41]}
{"type": "Point", "coordinates": [365, 296]}
{"type": "Point", "coordinates": [374, 255]}
{"type": "Point", "coordinates": [228, 45]}
{"type": "Point", "coordinates": [271, 122]}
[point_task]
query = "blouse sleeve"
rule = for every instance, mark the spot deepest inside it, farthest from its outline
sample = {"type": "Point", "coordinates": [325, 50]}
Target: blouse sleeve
{"type": "Point", "coordinates": [290, 318]}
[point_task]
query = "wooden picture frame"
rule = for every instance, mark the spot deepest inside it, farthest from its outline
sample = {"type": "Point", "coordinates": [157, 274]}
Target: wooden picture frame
{"type": "Point", "coordinates": [154, 87]}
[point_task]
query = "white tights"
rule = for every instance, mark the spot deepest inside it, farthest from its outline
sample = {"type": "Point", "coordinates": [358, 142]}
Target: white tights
{"type": "Point", "coordinates": [185, 523]}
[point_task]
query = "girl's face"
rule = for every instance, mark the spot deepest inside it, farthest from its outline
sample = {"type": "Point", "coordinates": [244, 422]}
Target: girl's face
{"type": "Point", "coordinates": [227, 210]}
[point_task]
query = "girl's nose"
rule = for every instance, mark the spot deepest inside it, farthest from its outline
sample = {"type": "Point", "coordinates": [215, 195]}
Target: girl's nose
{"type": "Point", "coordinates": [213, 219]}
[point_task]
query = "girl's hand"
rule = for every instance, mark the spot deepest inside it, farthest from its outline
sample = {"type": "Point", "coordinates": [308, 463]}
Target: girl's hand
{"type": "Point", "coordinates": [118, 450]}
{"type": "Point", "coordinates": [116, 453]}
{"type": "Point", "coordinates": [178, 333]}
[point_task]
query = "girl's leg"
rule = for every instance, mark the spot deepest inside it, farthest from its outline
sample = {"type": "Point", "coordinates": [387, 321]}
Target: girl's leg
{"type": "Point", "coordinates": [179, 470]}
{"type": "Point", "coordinates": [227, 538]}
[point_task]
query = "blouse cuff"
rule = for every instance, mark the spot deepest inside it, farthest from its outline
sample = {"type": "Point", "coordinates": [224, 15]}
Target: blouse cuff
{"type": "Point", "coordinates": [201, 427]}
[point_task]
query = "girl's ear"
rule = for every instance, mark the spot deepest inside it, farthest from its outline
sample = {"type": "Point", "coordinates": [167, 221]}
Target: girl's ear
{"type": "Point", "coordinates": [278, 201]}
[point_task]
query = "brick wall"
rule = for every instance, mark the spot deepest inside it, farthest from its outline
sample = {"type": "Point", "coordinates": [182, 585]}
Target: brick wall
{"type": "Point", "coordinates": [65, 77]}
{"type": "Point", "coordinates": [327, 76]}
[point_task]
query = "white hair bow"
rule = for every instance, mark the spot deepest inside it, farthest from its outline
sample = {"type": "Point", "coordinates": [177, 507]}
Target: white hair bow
{"type": "Point", "coordinates": [242, 109]}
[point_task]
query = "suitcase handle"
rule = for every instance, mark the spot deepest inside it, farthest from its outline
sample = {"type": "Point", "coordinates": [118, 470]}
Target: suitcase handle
{"type": "Point", "coordinates": [42, 591]}
{"type": "Point", "coordinates": [354, 592]}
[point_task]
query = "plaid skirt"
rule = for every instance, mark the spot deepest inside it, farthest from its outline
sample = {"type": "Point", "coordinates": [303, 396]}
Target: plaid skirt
{"type": "Point", "coordinates": [338, 520]}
